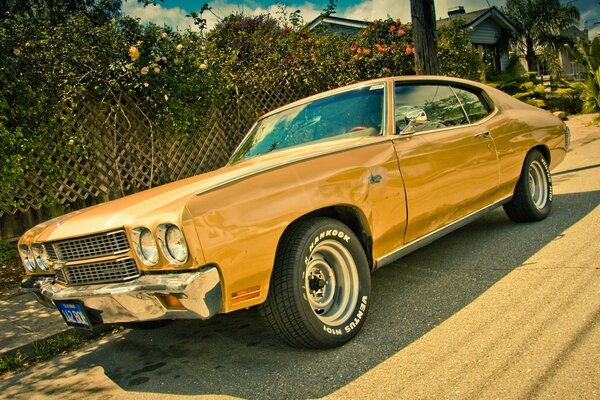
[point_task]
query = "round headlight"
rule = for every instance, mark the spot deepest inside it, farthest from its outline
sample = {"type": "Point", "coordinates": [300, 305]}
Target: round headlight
{"type": "Point", "coordinates": [41, 256]}
{"type": "Point", "coordinates": [175, 243]}
{"type": "Point", "coordinates": [27, 258]}
{"type": "Point", "coordinates": [145, 246]}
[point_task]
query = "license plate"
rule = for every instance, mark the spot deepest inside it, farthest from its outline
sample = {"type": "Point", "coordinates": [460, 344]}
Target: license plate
{"type": "Point", "coordinates": [74, 314]}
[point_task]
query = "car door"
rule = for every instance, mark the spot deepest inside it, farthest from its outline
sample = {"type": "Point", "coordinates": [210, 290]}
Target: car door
{"type": "Point", "coordinates": [448, 162]}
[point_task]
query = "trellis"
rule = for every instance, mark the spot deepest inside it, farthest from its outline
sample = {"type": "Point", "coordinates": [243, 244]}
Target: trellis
{"type": "Point", "coordinates": [126, 154]}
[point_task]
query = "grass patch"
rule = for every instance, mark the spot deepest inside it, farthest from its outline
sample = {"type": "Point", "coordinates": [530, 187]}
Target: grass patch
{"type": "Point", "coordinates": [46, 349]}
{"type": "Point", "coordinates": [12, 362]}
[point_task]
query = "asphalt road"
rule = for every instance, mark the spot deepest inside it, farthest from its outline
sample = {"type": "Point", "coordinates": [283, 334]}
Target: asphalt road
{"type": "Point", "coordinates": [493, 310]}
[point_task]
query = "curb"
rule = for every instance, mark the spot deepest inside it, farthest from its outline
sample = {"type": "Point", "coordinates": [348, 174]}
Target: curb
{"type": "Point", "coordinates": [28, 349]}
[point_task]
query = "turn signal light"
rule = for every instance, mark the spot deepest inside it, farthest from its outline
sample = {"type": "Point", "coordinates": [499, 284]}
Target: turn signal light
{"type": "Point", "coordinates": [246, 294]}
{"type": "Point", "coordinates": [171, 302]}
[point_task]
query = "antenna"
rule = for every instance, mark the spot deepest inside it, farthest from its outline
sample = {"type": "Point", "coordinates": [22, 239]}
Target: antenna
{"type": "Point", "coordinates": [488, 2]}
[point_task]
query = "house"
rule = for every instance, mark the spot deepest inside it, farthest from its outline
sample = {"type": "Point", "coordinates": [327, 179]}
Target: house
{"type": "Point", "coordinates": [570, 68]}
{"type": "Point", "coordinates": [489, 30]}
{"type": "Point", "coordinates": [337, 25]}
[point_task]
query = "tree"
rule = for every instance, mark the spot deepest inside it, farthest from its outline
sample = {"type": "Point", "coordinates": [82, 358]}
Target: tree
{"type": "Point", "coordinates": [539, 26]}
{"type": "Point", "coordinates": [587, 55]}
{"type": "Point", "coordinates": [424, 36]}
{"type": "Point", "coordinates": [456, 56]}
{"type": "Point", "coordinates": [329, 8]}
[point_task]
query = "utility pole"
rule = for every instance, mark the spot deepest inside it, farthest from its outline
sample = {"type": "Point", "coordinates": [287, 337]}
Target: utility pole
{"type": "Point", "coordinates": [424, 37]}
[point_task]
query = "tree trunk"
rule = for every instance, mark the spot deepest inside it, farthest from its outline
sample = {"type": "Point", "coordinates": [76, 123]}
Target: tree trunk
{"type": "Point", "coordinates": [530, 55]}
{"type": "Point", "coordinates": [424, 37]}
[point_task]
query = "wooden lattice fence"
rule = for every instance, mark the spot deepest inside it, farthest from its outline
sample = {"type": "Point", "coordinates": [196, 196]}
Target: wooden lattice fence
{"type": "Point", "coordinates": [125, 153]}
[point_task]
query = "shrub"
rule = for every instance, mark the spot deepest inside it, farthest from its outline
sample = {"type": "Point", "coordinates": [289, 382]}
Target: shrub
{"type": "Point", "coordinates": [456, 56]}
{"type": "Point", "coordinates": [587, 54]}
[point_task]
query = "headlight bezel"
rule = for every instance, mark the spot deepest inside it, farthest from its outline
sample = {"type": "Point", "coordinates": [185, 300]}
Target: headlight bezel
{"type": "Point", "coordinates": [40, 256]}
{"type": "Point", "coordinates": [137, 235]}
{"type": "Point", "coordinates": [27, 258]}
{"type": "Point", "coordinates": [163, 232]}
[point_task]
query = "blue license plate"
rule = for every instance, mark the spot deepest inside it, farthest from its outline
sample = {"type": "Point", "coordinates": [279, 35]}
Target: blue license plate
{"type": "Point", "coordinates": [74, 315]}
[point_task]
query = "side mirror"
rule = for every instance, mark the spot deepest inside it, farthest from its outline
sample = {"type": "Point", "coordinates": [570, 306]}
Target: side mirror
{"type": "Point", "coordinates": [415, 117]}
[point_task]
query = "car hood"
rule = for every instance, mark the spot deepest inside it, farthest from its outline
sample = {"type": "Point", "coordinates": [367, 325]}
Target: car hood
{"type": "Point", "coordinates": [169, 199]}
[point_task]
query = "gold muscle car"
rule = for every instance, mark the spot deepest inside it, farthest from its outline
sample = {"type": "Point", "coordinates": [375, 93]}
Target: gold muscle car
{"type": "Point", "coordinates": [319, 193]}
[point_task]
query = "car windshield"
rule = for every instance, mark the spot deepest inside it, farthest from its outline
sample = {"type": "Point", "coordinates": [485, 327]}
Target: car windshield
{"type": "Point", "coordinates": [354, 113]}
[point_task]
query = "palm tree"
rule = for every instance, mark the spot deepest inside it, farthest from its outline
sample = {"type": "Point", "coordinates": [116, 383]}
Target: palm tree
{"type": "Point", "coordinates": [539, 25]}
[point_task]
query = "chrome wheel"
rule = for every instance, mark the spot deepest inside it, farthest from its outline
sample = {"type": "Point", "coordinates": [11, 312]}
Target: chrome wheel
{"type": "Point", "coordinates": [331, 282]}
{"type": "Point", "coordinates": [538, 184]}
{"type": "Point", "coordinates": [320, 285]}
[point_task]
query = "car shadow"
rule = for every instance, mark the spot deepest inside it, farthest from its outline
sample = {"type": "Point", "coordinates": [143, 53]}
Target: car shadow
{"type": "Point", "coordinates": [236, 354]}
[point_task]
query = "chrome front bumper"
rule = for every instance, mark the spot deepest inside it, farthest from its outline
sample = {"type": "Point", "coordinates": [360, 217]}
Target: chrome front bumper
{"type": "Point", "coordinates": [199, 293]}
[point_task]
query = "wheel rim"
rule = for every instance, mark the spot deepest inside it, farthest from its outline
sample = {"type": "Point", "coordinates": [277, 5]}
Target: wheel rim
{"type": "Point", "coordinates": [331, 282]}
{"type": "Point", "coordinates": [538, 184]}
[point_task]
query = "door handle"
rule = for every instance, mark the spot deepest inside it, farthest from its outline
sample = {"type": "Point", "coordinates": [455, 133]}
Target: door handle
{"type": "Point", "coordinates": [483, 135]}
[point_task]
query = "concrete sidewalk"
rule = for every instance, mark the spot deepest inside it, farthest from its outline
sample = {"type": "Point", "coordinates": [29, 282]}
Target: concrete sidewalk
{"type": "Point", "coordinates": [23, 321]}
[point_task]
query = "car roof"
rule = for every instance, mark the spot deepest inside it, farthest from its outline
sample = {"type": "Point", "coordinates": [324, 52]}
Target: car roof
{"type": "Point", "coordinates": [409, 78]}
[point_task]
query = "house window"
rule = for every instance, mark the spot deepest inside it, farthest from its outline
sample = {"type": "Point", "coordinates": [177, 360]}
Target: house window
{"type": "Point", "coordinates": [542, 68]}
{"type": "Point", "coordinates": [575, 68]}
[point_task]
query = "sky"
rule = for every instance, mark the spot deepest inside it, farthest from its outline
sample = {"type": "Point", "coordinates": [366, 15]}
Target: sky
{"type": "Point", "coordinates": [173, 12]}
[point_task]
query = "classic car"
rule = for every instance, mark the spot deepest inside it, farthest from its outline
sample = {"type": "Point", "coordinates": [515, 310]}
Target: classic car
{"type": "Point", "coordinates": [319, 194]}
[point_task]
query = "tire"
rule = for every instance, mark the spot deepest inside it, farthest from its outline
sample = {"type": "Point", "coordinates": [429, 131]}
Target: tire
{"type": "Point", "coordinates": [319, 293]}
{"type": "Point", "coordinates": [532, 199]}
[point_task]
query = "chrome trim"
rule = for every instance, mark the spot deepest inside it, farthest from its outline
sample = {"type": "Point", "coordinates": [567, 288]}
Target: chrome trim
{"type": "Point", "coordinates": [136, 236]}
{"type": "Point", "coordinates": [430, 237]}
{"type": "Point", "coordinates": [199, 292]}
{"type": "Point", "coordinates": [90, 246]}
{"type": "Point", "coordinates": [161, 235]}
{"type": "Point", "coordinates": [107, 271]}
{"type": "Point", "coordinates": [291, 162]}
{"type": "Point", "coordinates": [461, 105]}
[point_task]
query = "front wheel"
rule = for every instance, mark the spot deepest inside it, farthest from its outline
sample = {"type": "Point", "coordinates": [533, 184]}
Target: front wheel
{"type": "Point", "coordinates": [532, 199]}
{"type": "Point", "coordinates": [319, 294]}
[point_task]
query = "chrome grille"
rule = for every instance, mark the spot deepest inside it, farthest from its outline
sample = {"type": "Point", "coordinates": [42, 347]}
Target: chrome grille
{"type": "Point", "coordinates": [100, 272]}
{"type": "Point", "coordinates": [99, 245]}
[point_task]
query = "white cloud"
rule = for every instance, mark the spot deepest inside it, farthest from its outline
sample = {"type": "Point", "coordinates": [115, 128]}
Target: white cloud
{"type": "Point", "coordinates": [174, 17]}
{"type": "Point", "coordinates": [367, 10]}
{"type": "Point", "coordinates": [591, 16]}
{"type": "Point", "coordinates": [375, 9]}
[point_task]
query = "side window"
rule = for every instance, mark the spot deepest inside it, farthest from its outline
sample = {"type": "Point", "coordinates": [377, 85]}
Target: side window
{"type": "Point", "coordinates": [475, 107]}
{"type": "Point", "coordinates": [422, 107]}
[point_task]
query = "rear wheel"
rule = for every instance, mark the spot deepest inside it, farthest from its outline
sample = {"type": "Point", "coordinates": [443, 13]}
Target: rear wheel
{"type": "Point", "coordinates": [320, 285]}
{"type": "Point", "coordinates": [532, 199]}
